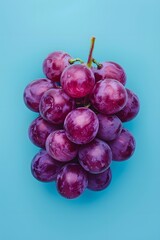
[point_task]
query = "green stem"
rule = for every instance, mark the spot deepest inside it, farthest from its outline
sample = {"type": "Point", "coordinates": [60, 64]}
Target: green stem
{"type": "Point", "coordinates": [71, 61]}
{"type": "Point", "coordinates": [99, 65]}
{"type": "Point", "coordinates": [89, 63]}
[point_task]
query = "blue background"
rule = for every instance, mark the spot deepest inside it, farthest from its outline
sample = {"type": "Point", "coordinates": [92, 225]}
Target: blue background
{"type": "Point", "coordinates": [127, 32]}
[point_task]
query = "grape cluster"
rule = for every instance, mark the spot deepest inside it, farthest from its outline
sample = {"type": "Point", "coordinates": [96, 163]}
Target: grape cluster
{"type": "Point", "coordinates": [79, 128]}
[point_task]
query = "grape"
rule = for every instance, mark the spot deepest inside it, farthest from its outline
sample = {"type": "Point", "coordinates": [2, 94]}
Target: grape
{"type": "Point", "coordinates": [77, 80]}
{"type": "Point", "coordinates": [55, 104]}
{"type": "Point", "coordinates": [60, 147]}
{"type": "Point", "coordinates": [71, 181]}
{"type": "Point", "coordinates": [109, 127]}
{"type": "Point", "coordinates": [98, 182]}
{"type": "Point", "coordinates": [123, 146]}
{"type": "Point", "coordinates": [108, 96]}
{"type": "Point", "coordinates": [44, 168]}
{"type": "Point", "coordinates": [39, 131]}
{"type": "Point", "coordinates": [95, 157]}
{"type": "Point", "coordinates": [54, 65]}
{"type": "Point", "coordinates": [131, 108]}
{"type": "Point", "coordinates": [34, 91]}
{"type": "Point", "coordinates": [110, 70]}
{"type": "Point", "coordinates": [81, 125]}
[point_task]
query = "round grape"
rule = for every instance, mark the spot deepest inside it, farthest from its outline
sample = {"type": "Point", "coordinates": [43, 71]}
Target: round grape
{"type": "Point", "coordinates": [131, 108]}
{"type": "Point", "coordinates": [123, 146]}
{"type": "Point", "coordinates": [44, 168]}
{"type": "Point", "coordinates": [98, 182]}
{"type": "Point", "coordinates": [108, 96]}
{"type": "Point", "coordinates": [81, 125]}
{"type": "Point", "coordinates": [39, 131]}
{"type": "Point", "coordinates": [109, 127]}
{"type": "Point", "coordinates": [71, 181]}
{"type": "Point", "coordinates": [54, 65]}
{"type": "Point", "coordinates": [60, 147]}
{"type": "Point", "coordinates": [34, 91]}
{"type": "Point", "coordinates": [95, 157]}
{"type": "Point", "coordinates": [110, 70]}
{"type": "Point", "coordinates": [54, 106]}
{"type": "Point", "coordinates": [77, 80]}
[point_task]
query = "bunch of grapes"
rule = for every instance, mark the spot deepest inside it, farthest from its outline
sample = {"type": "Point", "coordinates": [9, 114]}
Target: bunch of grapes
{"type": "Point", "coordinates": [79, 128]}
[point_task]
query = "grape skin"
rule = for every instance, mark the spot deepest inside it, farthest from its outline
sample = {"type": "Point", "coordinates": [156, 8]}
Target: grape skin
{"type": "Point", "coordinates": [109, 127]}
{"type": "Point", "coordinates": [60, 147]}
{"type": "Point", "coordinates": [81, 125]}
{"type": "Point", "coordinates": [54, 65]}
{"type": "Point", "coordinates": [108, 96]}
{"type": "Point", "coordinates": [44, 168]}
{"type": "Point", "coordinates": [77, 80]}
{"type": "Point", "coordinates": [34, 91]}
{"type": "Point", "coordinates": [39, 130]}
{"type": "Point", "coordinates": [99, 182]}
{"type": "Point", "coordinates": [131, 108]}
{"type": "Point", "coordinates": [123, 146]}
{"type": "Point", "coordinates": [110, 70]}
{"type": "Point", "coordinates": [95, 157]}
{"type": "Point", "coordinates": [55, 104]}
{"type": "Point", "coordinates": [71, 181]}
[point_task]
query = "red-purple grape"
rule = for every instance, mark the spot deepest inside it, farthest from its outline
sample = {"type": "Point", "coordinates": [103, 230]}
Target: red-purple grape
{"type": "Point", "coordinates": [55, 104]}
{"type": "Point", "coordinates": [34, 91]}
{"type": "Point", "coordinates": [44, 168]}
{"type": "Point", "coordinates": [54, 65]}
{"type": "Point", "coordinates": [110, 70]}
{"type": "Point", "coordinates": [98, 182]}
{"type": "Point", "coordinates": [71, 181]}
{"type": "Point", "coordinates": [109, 127]}
{"type": "Point", "coordinates": [95, 157]}
{"type": "Point", "coordinates": [81, 125]}
{"type": "Point", "coordinates": [77, 80]}
{"type": "Point", "coordinates": [108, 96]}
{"type": "Point", "coordinates": [131, 108]}
{"type": "Point", "coordinates": [123, 146]}
{"type": "Point", "coordinates": [60, 147]}
{"type": "Point", "coordinates": [39, 131]}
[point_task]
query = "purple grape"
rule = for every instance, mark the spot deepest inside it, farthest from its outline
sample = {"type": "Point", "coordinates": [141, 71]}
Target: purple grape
{"type": "Point", "coordinates": [71, 181]}
{"type": "Point", "coordinates": [54, 65]}
{"type": "Point", "coordinates": [110, 70]}
{"type": "Point", "coordinates": [95, 157]}
{"type": "Point", "coordinates": [60, 147]}
{"type": "Point", "coordinates": [123, 146]}
{"type": "Point", "coordinates": [34, 91]}
{"type": "Point", "coordinates": [98, 182]}
{"type": "Point", "coordinates": [108, 96]}
{"type": "Point", "coordinates": [39, 131]}
{"type": "Point", "coordinates": [131, 108]}
{"type": "Point", "coordinates": [81, 125]}
{"type": "Point", "coordinates": [77, 80]}
{"type": "Point", "coordinates": [55, 104]}
{"type": "Point", "coordinates": [109, 127]}
{"type": "Point", "coordinates": [44, 168]}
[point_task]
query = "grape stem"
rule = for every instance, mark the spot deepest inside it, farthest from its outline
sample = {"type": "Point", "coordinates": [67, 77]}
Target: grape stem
{"type": "Point", "coordinates": [71, 61]}
{"type": "Point", "coordinates": [89, 63]}
{"type": "Point", "coordinates": [99, 65]}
